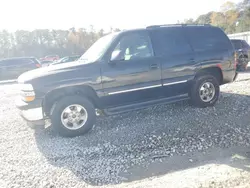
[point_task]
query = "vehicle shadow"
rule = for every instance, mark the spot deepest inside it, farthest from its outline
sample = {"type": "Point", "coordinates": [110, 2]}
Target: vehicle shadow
{"type": "Point", "coordinates": [154, 142]}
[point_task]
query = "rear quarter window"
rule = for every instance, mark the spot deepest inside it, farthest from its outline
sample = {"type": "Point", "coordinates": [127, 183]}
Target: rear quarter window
{"type": "Point", "coordinates": [207, 38]}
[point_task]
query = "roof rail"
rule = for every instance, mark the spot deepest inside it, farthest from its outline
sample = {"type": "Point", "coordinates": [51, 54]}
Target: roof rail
{"type": "Point", "coordinates": [170, 25]}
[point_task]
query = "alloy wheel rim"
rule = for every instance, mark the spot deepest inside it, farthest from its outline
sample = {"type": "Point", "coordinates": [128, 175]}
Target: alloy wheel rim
{"type": "Point", "coordinates": [74, 117]}
{"type": "Point", "coordinates": [207, 91]}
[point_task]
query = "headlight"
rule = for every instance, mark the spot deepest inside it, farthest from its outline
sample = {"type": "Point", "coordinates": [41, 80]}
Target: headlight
{"type": "Point", "coordinates": [27, 92]}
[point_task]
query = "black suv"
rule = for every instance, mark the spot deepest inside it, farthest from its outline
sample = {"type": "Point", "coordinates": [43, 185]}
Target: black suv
{"type": "Point", "coordinates": [11, 68]}
{"type": "Point", "coordinates": [130, 70]}
{"type": "Point", "coordinates": [243, 52]}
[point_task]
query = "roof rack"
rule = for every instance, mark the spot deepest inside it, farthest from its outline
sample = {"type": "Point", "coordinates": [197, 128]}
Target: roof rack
{"type": "Point", "coordinates": [171, 25]}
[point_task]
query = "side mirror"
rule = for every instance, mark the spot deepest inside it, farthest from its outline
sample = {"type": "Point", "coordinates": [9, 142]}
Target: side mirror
{"type": "Point", "coordinates": [115, 55]}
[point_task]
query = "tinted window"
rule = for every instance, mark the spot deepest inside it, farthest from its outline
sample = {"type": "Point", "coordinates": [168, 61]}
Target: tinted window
{"type": "Point", "coordinates": [15, 62]}
{"type": "Point", "coordinates": [23, 61]}
{"type": "Point", "coordinates": [207, 38]}
{"type": "Point", "coordinates": [245, 44]}
{"type": "Point", "coordinates": [66, 59]}
{"type": "Point", "coordinates": [133, 46]}
{"type": "Point", "coordinates": [74, 58]}
{"type": "Point", "coordinates": [170, 41]}
{"type": "Point", "coordinates": [8, 62]}
{"type": "Point", "coordinates": [237, 44]}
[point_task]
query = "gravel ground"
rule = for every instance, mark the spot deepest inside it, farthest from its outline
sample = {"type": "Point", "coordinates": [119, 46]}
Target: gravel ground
{"type": "Point", "coordinates": [175, 145]}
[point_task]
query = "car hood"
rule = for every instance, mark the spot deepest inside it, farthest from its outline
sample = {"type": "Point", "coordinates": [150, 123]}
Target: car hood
{"type": "Point", "coordinates": [49, 70]}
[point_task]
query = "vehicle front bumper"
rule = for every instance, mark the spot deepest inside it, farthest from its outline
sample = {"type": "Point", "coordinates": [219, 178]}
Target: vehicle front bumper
{"type": "Point", "coordinates": [31, 111]}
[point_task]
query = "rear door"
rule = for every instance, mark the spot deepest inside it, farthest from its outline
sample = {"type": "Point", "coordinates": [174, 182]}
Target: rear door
{"type": "Point", "coordinates": [177, 59]}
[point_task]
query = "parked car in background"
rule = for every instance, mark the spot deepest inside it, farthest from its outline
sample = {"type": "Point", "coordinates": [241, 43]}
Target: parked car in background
{"type": "Point", "coordinates": [243, 53]}
{"type": "Point", "coordinates": [50, 58]}
{"type": "Point", "coordinates": [45, 63]}
{"type": "Point", "coordinates": [11, 68]}
{"type": "Point", "coordinates": [66, 59]}
{"type": "Point", "coordinates": [130, 70]}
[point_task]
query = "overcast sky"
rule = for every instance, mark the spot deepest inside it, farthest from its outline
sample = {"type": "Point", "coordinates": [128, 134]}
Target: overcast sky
{"type": "Point", "coordinates": [63, 14]}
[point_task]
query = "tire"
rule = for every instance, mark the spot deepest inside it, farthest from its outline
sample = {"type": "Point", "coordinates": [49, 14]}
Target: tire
{"type": "Point", "coordinates": [73, 101]}
{"type": "Point", "coordinates": [199, 82]}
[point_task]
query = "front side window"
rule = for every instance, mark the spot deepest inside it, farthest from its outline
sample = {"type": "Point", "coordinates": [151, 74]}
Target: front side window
{"type": "Point", "coordinates": [132, 46]}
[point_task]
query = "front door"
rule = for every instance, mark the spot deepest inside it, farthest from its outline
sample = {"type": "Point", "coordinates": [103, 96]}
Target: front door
{"type": "Point", "coordinates": [132, 74]}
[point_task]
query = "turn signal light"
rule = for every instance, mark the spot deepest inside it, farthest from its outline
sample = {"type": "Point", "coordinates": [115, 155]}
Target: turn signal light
{"type": "Point", "coordinates": [235, 59]}
{"type": "Point", "coordinates": [28, 98]}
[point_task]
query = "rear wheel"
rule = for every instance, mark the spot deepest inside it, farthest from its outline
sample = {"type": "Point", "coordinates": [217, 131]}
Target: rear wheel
{"type": "Point", "coordinates": [205, 91]}
{"type": "Point", "coordinates": [73, 116]}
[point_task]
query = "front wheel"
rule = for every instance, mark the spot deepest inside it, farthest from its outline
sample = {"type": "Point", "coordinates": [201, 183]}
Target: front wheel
{"type": "Point", "coordinates": [205, 91]}
{"type": "Point", "coordinates": [73, 116]}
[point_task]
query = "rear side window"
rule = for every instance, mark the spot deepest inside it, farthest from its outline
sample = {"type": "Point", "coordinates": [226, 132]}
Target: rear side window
{"type": "Point", "coordinates": [170, 41]}
{"type": "Point", "coordinates": [8, 62]}
{"type": "Point", "coordinates": [15, 62]}
{"type": "Point", "coordinates": [207, 38]}
{"type": "Point", "coordinates": [23, 61]}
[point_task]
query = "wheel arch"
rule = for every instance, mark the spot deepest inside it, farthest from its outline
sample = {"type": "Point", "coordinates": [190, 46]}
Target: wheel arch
{"type": "Point", "coordinates": [56, 94]}
{"type": "Point", "coordinates": [215, 71]}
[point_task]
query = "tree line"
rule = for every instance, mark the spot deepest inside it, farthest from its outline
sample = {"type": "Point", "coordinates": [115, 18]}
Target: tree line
{"type": "Point", "coordinates": [232, 18]}
{"type": "Point", "coordinates": [42, 42]}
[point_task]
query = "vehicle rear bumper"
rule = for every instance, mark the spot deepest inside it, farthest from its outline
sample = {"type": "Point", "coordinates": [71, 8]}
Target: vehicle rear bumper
{"type": "Point", "coordinates": [229, 76]}
{"type": "Point", "coordinates": [32, 111]}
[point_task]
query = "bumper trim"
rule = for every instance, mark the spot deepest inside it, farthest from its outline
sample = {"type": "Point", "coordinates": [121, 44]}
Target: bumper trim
{"type": "Point", "coordinates": [34, 116]}
{"type": "Point", "coordinates": [32, 111]}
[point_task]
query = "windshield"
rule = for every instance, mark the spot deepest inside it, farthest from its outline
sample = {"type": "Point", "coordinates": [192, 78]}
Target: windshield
{"type": "Point", "coordinates": [97, 49]}
{"type": "Point", "coordinates": [61, 60]}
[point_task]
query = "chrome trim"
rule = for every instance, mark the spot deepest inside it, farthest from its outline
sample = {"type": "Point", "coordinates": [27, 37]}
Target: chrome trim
{"type": "Point", "coordinates": [172, 83]}
{"type": "Point", "coordinates": [140, 88]}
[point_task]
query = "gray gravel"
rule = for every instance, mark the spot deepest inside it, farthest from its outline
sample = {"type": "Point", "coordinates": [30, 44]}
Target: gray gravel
{"type": "Point", "coordinates": [134, 149]}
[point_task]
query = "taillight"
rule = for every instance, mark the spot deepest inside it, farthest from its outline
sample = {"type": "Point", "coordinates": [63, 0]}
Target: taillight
{"type": "Point", "coordinates": [235, 59]}
{"type": "Point", "coordinates": [38, 65]}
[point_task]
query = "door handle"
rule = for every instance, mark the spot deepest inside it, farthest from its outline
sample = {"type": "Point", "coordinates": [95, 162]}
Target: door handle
{"type": "Point", "coordinates": [154, 66]}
